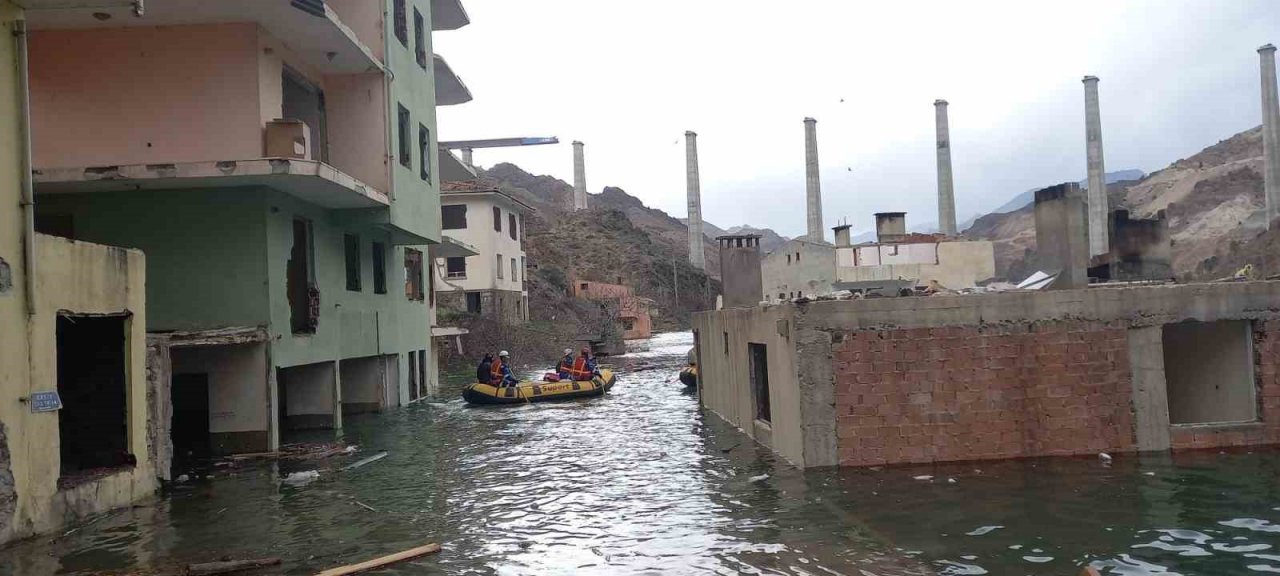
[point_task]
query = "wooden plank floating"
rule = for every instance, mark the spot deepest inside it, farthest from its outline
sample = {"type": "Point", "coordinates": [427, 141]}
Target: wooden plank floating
{"type": "Point", "coordinates": [383, 561]}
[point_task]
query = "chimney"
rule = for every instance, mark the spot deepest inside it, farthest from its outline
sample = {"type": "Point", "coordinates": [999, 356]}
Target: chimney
{"type": "Point", "coordinates": [891, 227]}
{"type": "Point", "coordinates": [466, 157]}
{"type": "Point", "coordinates": [1097, 200]}
{"type": "Point", "coordinates": [740, 277]}
{"type": "Point", "coordinates": [812, 184]}
{"type": "Point", "coordinates": [1062, 234]}
{"type": "Point", "coordinates": [579, 178]}
{"type": "Point", "coordinates": [1270, 133]}
{"type": "Point", "coordinates": [946, 188]}
{"type": "Point", "coordinates": [694, 189]}
{"type": "Point", "coordinates": [842, 236]}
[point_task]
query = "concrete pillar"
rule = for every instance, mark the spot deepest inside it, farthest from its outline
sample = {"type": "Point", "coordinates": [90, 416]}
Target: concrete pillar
{"type": "Point", "coordinates": [741, 281]}
{"type": "Point", "coordinates": [466, 157]}
{"type": "Point", "coordinates": [1270, 132]}
{"type": "Point", "coordinates": [579, 178]}
{"type": "Point", "coordinates": [1098, 241]}
{"type": "Point", "coordinates": [891, 227]}
{"type": "Point", "coordinates": [1147, 379]}
{"type": "Point", "coordinates": [812, 183]}
{"type": "Point", "coordinates": [1062, 234]}
{"type": "Point", "coordinates": [693, 186]}
{"type": "Point", "coordinates": [842, 236]}
{"type": "Point", "coordinates": [946, 187]}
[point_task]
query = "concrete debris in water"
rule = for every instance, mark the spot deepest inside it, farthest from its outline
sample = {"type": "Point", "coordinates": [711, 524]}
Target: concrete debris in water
{"type": "Point", "coordinates": [301, 478]}
{"type": "Point", "coordinates": [923, 477]}
{"type": "Point", "coordinates": [760, 478]}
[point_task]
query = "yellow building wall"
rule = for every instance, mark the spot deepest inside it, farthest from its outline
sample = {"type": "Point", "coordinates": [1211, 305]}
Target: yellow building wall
{"type": "Point", "coordinates": [14, 365]}
{"type": "Point", "coordinates": [80, 278]}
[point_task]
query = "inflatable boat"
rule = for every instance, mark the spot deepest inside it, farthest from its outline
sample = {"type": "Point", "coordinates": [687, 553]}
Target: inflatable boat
{"type": "Point", "coordinates": [481, 393]}
{"type": "Point", "coordinates": [689, 376]}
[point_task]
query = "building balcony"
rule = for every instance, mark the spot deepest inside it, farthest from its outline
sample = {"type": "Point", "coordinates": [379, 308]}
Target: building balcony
{"type": "Point", "coordinates": [449, 87]}
{"type": "Point", "coordinates": [313, 30]}
{"type": "Point", "coordinates": [312, 181]}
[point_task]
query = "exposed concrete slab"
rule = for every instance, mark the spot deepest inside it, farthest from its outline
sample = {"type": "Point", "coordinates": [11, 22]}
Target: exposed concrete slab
{"type": "Point", "coordinates": [1150, 400]}
{"type": "Point", "coordinates": [817, 396]}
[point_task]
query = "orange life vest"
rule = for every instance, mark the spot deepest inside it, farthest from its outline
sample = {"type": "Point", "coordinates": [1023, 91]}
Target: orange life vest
{"type": "Point", "coordinates": [579, 370]}
{"type": "Point", "coordinates": [495, 370]}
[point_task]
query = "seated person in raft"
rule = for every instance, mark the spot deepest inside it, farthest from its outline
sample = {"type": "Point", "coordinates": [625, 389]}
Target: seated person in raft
{"type": "Point", "coordinates": [484, 370]}
{"type": "Point", "coordinates": [565, 364]}
{"type": "Point", "coordinates": [501, 372]}
{"type": "Point", "coordinates": [584, 366]}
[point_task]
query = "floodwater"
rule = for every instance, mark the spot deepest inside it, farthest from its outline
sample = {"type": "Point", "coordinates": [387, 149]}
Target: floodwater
{"type": "Point", "coordinates": [642, 482]}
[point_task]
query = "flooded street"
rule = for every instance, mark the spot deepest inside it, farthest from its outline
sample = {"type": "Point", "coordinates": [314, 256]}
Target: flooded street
{"type": "Point", "coordinates": [641, 482]}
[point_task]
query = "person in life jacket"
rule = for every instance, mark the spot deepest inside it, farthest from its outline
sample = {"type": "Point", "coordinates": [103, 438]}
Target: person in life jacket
{"type": "Point", "coordinates": [584, 366]}
{"type": "Point", "coordinates": [500, 372]}
{"type": "Point", "coordinates": [565, 364]}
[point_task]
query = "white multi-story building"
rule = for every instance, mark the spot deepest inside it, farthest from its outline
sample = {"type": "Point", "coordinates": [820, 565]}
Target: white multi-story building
{"type": "Point", "coordinates": [491, 223]}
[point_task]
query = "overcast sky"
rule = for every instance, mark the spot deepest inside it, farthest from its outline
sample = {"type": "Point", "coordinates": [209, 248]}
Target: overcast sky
{"type": "Point", "coordinates": [628, 77]}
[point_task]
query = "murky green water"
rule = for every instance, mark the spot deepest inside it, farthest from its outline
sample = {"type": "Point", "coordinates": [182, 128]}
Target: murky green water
{"type": "Point", "coordinates": [640, 482]}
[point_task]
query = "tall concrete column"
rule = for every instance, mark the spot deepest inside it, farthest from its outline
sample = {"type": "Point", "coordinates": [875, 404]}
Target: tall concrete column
{"type": "Point", "coordinates": [694, 188]}
{"type": "Point", "coordinates": [1097, 198]}
{"type": "Point", "coordinates": [1270, 132]}
{"type": "Point", "coordinates": [812, 183]}
{"type": "Point", "coordinates": [466, 157]}
{"type": "Point", "coordinates": [579, 178]}
{"type": "Point", "coordinates": [946, 188]}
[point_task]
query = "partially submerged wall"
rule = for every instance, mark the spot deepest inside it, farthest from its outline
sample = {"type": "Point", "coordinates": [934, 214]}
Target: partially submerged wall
{"type": "Point", "coordinates": [898, 380]}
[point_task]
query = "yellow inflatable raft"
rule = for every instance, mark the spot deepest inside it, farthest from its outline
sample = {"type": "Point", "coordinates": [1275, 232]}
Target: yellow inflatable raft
{"type": "Point", "coordinates": [480, 393]}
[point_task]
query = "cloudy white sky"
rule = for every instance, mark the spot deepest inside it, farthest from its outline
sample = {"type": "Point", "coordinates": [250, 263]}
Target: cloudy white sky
{"type": "Point", "coordinates": [628, 77]}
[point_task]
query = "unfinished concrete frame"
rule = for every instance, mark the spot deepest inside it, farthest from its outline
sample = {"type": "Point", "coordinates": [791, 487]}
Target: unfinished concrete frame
{"type": "Point", "coordinates": [948, 378]}
{"type": "Point", "coordinates": [1062, 234]}
{"type": "Point", "coordinates": [310, 396]}
{"type": "Point", "coordinates": [236, 394]}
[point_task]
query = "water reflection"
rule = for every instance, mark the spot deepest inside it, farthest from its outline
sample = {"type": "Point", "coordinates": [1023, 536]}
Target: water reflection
{"type": "Point", "coordinates": [640, 482]}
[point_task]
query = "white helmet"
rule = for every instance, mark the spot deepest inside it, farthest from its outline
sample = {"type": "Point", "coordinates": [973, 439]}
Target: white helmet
{"type": "Point", "coordinates": [568, 351]}
{"type": "Point", "coordinates": [503, 354]}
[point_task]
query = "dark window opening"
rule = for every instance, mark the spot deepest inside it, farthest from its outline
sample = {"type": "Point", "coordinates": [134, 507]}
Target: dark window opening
{"type": "Point", "coordinates": [379, 268]}
{"type": "Point", "coordinates": [497, 219]}
{"type": "Point", "coordinates": [628, 324]}
{"type": "Point", "coordinates": [401, 22]}
{"type": "Point", "coordinates": [413, 287]}
{"type": "Point", "coordinates": [511, 226]}
{"type": "Point", "coordinates": [422, 372]}
{"type": "Point", "coordinates": [453, 217]}
{"type": "Point", "coordinates": [424, 148]}
{"type": "Point", "coordinates": [1209, 372]}
{"type": "Point", "coordinates": [413, 375]}
{"type": "Point", "coordinates": [93, 429]}
{"type": "Point", "coordinates": [473, 302]}
{"type": "Point", "coordinates": [300, 278]}
{"type": "Point", "coordinates": [189, 427]}
{"type": "Point", "coordinates": [455, 267]}
{"type": "Point", "coordinates": [303, 100]}
{"type": "Point", "coordinates": [55, 224]}
{"type": "Point", "coordinates": [406, 151]}
{"type": "Point", "coordinates": [726, 343]}
{"type": "Point", "coordinates": [419, 39]}
{"type": "Point", "coordinates": [759, 358]}
{"type": "Point", "coordinates": [351, 245]}
{"type": "Point", "coordinates": [500, 267]}
{"type": "Point", "coordinates": [514, 277]}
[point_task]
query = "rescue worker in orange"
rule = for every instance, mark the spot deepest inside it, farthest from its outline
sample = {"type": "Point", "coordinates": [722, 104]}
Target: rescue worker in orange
{"type": "Point", "coordinates": [500, 372]}
{"type": "Point", "coordinates": [584, 366]}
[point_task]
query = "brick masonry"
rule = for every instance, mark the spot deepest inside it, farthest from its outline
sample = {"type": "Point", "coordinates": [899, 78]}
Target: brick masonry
{"type": "Point", "coordinates": [1266, 358]}
{"type": "Point", "coordinates": [982, 392]}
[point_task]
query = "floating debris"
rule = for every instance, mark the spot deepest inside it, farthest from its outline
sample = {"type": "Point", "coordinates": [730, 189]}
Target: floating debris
{"type": "Point", "coordinates": [301, 478]}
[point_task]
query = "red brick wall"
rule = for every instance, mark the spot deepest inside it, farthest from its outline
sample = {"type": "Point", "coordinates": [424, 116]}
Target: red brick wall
{"type": "Point", "coordinates": [1266, 357]}
{"type": "Point", "coordinates": [969, 393]}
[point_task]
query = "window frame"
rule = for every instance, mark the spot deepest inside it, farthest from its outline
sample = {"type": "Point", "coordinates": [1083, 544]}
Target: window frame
{"type": "Point", "coordinates": [351, 261]}
{"type": "Point", "coordinates": [400, 20]}
{"type": "Point", "coordinates": [511, 226]}
{"type": "Point", "coordinates": [414, 288]}
{"type": "Point", "coordinates": [497, 219]}
{"type": "Point", "coordinates": [424, 148]}
{"type": "Point", "coordinates": [451, 274]}
{"type": "Point", "coordinates": [379, 255]}
{"type": "Point", "coordinates": [444, 218]}
{"type": "Point", "coordinates": [501, 263]}
{"type": "Point", "coordinates": [403, 121]}
{"type": "Point", "coordinates": [419, 39]}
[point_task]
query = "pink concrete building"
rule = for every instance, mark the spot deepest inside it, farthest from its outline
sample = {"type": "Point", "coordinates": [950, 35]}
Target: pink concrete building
{"type": "Point", "coordinates": [633, 311]}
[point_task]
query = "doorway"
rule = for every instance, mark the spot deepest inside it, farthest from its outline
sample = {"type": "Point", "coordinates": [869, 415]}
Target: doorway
{"type": "Point", "coordinates": [300, 280]}
{"type": "Point", "coordinates": [93, 429]}
{"type": "Point", "coordinates": [190, 427]}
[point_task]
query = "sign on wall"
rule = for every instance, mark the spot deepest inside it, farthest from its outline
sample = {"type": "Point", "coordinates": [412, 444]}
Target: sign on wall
{"type": "Point", "coordinates": [45, 401]}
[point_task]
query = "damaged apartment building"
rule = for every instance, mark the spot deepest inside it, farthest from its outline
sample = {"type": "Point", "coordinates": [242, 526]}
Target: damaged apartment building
{"type": "Point", "coordinates": [1073, 369]}
{"type": "Point", "coordinates": [277, 164]}
{"type": "Point", "coordinates": [489, 278]}
{"type": "Point", "coordinates": [805, 268]}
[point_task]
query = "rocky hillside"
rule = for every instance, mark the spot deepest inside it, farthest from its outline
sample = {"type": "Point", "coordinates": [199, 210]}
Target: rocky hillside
{"type": "Point", "coordinates": [1213, 200]}
{"type": "Point", "coordinates": [618, 239]}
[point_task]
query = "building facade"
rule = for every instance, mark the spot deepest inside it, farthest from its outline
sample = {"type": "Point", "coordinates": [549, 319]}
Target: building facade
{"type": "Point", "coordinates": [75, 436]}
{"type": "Point", "coordinates": [278, 166]}
{"type": "Point", "coordinates": [634, 312]}
{"type": "Point", "coordinates": [491, 281]}
{"type": "Point", "coordinates": [1003, 375]}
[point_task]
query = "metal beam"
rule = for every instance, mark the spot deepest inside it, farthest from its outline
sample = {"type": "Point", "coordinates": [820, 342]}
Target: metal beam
{"type": "Point", "coordinates": [499, 142]}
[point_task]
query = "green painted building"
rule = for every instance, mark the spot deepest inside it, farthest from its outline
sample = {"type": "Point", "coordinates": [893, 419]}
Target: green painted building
{"type": "Point", "coordinates": [277, 163]}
